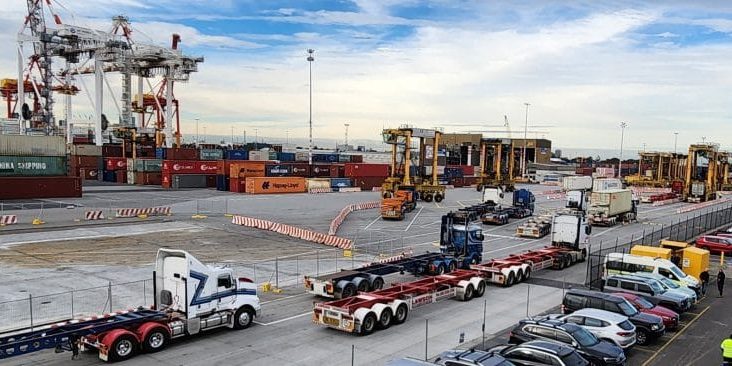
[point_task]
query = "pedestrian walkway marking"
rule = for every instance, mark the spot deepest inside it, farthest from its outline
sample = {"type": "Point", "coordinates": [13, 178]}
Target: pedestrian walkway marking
{"type": "Point", "coordinates": [648, 361]}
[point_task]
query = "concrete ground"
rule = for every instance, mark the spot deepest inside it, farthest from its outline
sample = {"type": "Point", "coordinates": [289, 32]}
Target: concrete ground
{"type": "Point", "coordinates": [285, 333]}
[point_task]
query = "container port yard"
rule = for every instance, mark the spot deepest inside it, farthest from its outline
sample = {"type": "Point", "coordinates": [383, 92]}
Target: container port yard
{"type": "Point", "coordinates": [127, 237]}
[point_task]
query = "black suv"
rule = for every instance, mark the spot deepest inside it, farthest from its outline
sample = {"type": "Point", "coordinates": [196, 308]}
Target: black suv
{"type": "Point", "coordinates": [597, 351]}
{"type": "Point", "coordinates": [540, 353]}
{"type": "Point", "coordinates": [648, 327]}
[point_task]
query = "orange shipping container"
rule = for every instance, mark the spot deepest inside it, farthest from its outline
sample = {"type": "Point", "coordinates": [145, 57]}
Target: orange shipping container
{"type": "Point", "coordinates": [247, 169]}
{"type": "Point", "coordinates": [275, 185]}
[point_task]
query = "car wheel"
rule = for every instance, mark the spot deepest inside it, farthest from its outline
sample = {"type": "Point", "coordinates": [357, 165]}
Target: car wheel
{"type": "Point", "coordinates": [641, 337]}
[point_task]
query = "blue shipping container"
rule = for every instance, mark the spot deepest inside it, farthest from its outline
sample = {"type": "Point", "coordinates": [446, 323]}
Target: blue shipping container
{"type": "Point", "coordinates": [237, 155]}
{"type": "Point", "coordinates": [325, 158]}
{"type": "Point", "coordinates": [222, 182]}
{"type": "Point", "coordinates": [453, 172]}
{"type": "Point", "coordinates": [340, 182]}
{"type": "Point", "coordinates": [109, 176]}
{"type": "Point", "coordinates": [286, 156]}
{"type": "Point", "coordinates": [160, 153]}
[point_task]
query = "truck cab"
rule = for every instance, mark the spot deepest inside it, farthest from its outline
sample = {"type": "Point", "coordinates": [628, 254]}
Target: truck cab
{"type": "Point", "coordinates": [570, 229]}
{"type": "Point", "coordinates": [461, 238]}
{"type": "Point", "coordinates": [202, 296]}
{"type": "Point", "coordinates": [493, 195]}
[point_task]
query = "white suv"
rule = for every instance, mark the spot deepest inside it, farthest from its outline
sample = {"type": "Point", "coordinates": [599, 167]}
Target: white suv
{"type": "Point", "coordinates": [605, 325]}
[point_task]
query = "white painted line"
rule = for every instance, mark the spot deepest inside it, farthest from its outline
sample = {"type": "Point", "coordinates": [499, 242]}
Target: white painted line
{"type": "Point", "coordinates": [285, 319]}
{"type": "Point", "coordinates": [414, 218]}
{"type": "Point", "coordinates": [610, 229]}
{"type": "Point", "coordinates": [372, 222]}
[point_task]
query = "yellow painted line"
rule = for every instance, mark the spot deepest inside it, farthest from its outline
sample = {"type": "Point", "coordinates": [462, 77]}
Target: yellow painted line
{"type": "Point", "coordinates": [648, 361]}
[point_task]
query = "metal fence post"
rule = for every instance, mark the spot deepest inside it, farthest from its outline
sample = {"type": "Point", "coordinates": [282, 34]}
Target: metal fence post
{"type": "Point", "coordinates": [254, 266]}
{"type": "Point", "coordinates": [686, 227]}
{"type": "Point", "coordinates": [528, 297]}
{"type": "Point", "coordinates": [297, 266]}
{"type": "Point", "coordinates": [30, 306]}
{"type": "Point", "coordinates": [336, 260]}
{"type": "Point", "coordinates": [144, 292]}
{"type": "Point", "coordinates": [426, 336]}
{"type": "Point", "coordinates": [317, 262]}
{"type": "Point", "coordinates": [109, 294]}
{"type": "Point", "coordinates": [277, 272]}
{"type": "Point", "coordinates": [72, 303]}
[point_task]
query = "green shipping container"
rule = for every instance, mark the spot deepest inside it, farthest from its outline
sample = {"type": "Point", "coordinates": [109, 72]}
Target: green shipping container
{"type": "Point", "coordinates": [148, 165]}
{"type": "Point", "coordinates": [211, 154]}
{"type": "Point", "coordinates": [32, 166]}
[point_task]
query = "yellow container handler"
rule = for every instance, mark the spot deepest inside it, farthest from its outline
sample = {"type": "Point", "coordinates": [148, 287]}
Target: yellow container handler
{"type": "Point", "coordinates": [694, 261]}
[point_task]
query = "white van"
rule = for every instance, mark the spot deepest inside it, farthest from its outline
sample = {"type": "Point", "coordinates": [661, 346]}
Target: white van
{"type": "Point", "coordinates": [620, 263]}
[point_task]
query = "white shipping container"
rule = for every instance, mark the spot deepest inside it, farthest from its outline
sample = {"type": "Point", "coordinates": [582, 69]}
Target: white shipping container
{"type": "Point", "coordinates": [301, 156]}
{"type": "Point", "coordinates": [130, 177]}
{"type": "Point", "coordinates": [611, 202]}
{"type": "Point", "coordinates": [259, 155]}
{"type": "Point", "coordinates": [22, 145]}
{"type": "Point", "coordinates": [573, 183]}
{"type": "Point", "coordinates": [428, 170]}
{"type": "Point", "coordinates": [607, 184]}
{"type": "Point", "coordinates": [317, 183]}
{"type": "Point", "coordinates": [85, 150]}
{"type": "Point", "coordinates": [697, 189]}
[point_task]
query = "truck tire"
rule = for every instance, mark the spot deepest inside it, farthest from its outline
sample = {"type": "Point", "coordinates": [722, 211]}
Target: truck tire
{"type": "Point", "coordinates": [377, 284]}
{"type": "Point", "coordinates": [509, 279]}
{"type": "Point", "coordinates": [362, 284]}
{"type": "Point", "coordinates": [479, 187]}
{"type": "Point", "coordinates": [519, 275]}
{"type": "Point", "coordinates": [427, 197]}
{"type": "Point", "coordinates": [583, 256]}
{"type": "Point", "coordinates": [567, 260]}
{"type": "Point", "coordinates": [438, 197]}
{"type": "Point", "coordinates": [441, 269]}
{"type": "Point", "coordinates": [243, 317]}
{"type": "Point", "coordinates": [451, 267]}
{"type": "Point", "coordinates": [385, 319]}
{"type": "Point", "coordinates": [386, 195]}
{"type": "Point", "coordinates": [469, 292]}
{"type": "Point", "coordinates": [401, 314]}
{"type": "Point", "coordinates": [123, 348]}
{"type": "Point", "coordinates": [369, 324]}
{"type": "Point", "coordinates": [480, 290]}
{"type": "Point", "coordinates": [155, 340]}
{"type": "Point", "coordinates": [349, 289]}
{"type": "Point", "coordinates": [527, 273]}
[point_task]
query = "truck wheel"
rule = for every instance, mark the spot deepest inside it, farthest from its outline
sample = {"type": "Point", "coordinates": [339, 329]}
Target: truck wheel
{"type": "Point", "coordinates": [401, 314]}
{"type": "Point", "coordinates": [451, 267]}
{"type": "Point", "coordinates": [438, 197]}
{"type": "Point", "coordinates": [123, 348]}
{"type": "Point", "coordinates": [480, 290]}
{"type": "Point", "coordinates": [378, 283]}
{"type": "Point", "coordinates": [243, 318]}
{"type": "Point", "coordinates": [427, 197]}
{"type": "Point", "coordinates": [155, 340]}
{"type": "Point", "coordinates": [469, 293]}
{"type": "Point", "coordinates": [509, 280]}
{"type": "Point", "coordinates": [362, 285]}
{"type": "Point", "coordinates": [479, 187]}
{"type": "Point", "coordinates": [386, 195]}
{"type": "Point", "coordinates": [567, 260]}
{"type": "Point", "coordinates": [369, 324]}
{"type": "Point", "coordinates": [527, 273]}
{"type": "Point", "coordinates": [519, 275]}
{"type": "Point", "coordinates": [441, 269]}
{"type": "Point", "coordinates": [348, 290]}
{"type": "Point", "coordinates": [583, 255]}
{"type": "Point", "coordinates": [385, 319]}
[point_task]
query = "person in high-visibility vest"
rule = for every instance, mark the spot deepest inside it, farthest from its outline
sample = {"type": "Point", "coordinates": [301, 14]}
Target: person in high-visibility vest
{"type": "Point", "coordinates": [727, 349]}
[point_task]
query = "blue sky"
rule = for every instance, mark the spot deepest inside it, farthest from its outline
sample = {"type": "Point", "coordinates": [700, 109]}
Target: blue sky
{"type": "Point", "coordinates": [584, 66]}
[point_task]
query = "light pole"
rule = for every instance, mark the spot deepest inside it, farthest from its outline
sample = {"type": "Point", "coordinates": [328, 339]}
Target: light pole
{"type": "Point", "coordinates": [197, 138]}
{"type": "Point", "coordinates": [256, 139]}
{"type": "Point", "coordinates": [346, 137]}
{"type": "Point", "coordinates": [676, 138]}
{"type": "Point", "coordinates": [232, 136]}
{"type": "Point", "coordinates": [523, 153]}
{"type": "Point", "coordinates": [244, 134]}
{"type": "Point", "coordinates": [620, 163]}
{"type": "Point", "coordinates": [310, 59]}
{"type": "Point", "coordinates": [287, 138]}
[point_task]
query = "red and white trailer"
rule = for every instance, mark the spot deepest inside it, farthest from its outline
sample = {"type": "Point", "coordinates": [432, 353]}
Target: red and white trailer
{"type": "Point", "coordinates": [380, 309]}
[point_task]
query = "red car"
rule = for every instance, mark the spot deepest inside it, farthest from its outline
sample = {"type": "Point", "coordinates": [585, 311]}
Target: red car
{"type": "Point", "coordinates": [715, 243]}
{"type": "Point", "coordinates": [670, 317]}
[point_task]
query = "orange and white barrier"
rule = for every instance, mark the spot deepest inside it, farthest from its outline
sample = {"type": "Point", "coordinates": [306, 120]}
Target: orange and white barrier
{"type": "Point", "coordinates": [554, 197]}
{"type": "Point", "coordinates": [699, 206]}
{"type": "Point", "coordinates": [320, 190]}
{"type": "Point", "coordinates": [550, 192]}
{"type": "Point", "coordinates": [8, 220]}
{"type": "Point", "coordinates": [94, 215]}
{"type": "Point", "coordinates": [150, 211]}
{"type": "Point", "coordinates": [338, 220]}
{"type": "Point", "coordinates": [666, 202]}
{"type": "Point", "coordinates": [293, 231]}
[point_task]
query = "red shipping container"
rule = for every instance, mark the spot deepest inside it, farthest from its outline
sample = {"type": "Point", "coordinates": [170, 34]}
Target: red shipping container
{"type": "Point", "coordinates": [456, 182]}
{"type": "Point", "coordinates": [357, 158]}
{"type": "Point", "coordinates": [112, 164]}
{"type": "Point", "coordinates": [81, 161]}
{"type": "Point", "coordinates": [190, 166]}
{"type": "Point", "coordinates": [121, 176]}
{"type": "Point", "coordinates": [145, 152]}
{"type": "Point", "coordinates": [368, 183]}
{"type": "Point", "coordinates": [112, 151]}
{"type": "Point", "coordinates": [148, 178]}
{"type": "Point", "coordinates": [236, 185]}
{"type": "Point", "coordinates": [470, 181]}
{"type": "Point", "coordinates": [352, 170]}
{"type": "Point", "coordinates": [181, 154]}
{"type": "Point", "coordinates": [211, 181]}
{"type": "Point", "coordinates": [320, 170]}
{"type": "Point", "coordinates": [223, 167]}
{"type": "Point", "coordinates": [337, 171]}
{"type": "Point", "coordinates": [300, 170]}
{"type": "Point", "coordinates": [89, 174]}
{"type": "Point", "coordinates": [165, 180]}
{"type": "Point", "coordinates": [39, 187]}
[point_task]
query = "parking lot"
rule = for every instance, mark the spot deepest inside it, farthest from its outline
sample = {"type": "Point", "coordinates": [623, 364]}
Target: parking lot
{"type": "Point", "coordinates": [70, 258]}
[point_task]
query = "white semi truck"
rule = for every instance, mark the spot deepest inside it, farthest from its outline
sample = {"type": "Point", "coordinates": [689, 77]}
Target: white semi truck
{"type": "Point", "coordinates": [190, 297]}
{"type": "Point", "coordinates": [607, 208]}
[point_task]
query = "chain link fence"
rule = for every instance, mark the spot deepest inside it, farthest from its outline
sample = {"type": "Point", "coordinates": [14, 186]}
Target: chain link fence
{"type": "Point", "coordinates": [684, 229]}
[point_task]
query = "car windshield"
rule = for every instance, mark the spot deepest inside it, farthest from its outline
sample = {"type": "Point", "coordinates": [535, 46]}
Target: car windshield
{"type": "Point", "coordinates": [574, 359]}
{"type": "Point", "coordinates": [680, 274]}
{"type": "Point", "coordinates": [585, 338]}
{"type": "Point", "coordinates": [656, 286]}
{"type": "Point", "coordinates": [627, 308]}
{"type": "Point", "coordinates": [668, 283]}
{"type": "Point", "coordinates": [642, 302]}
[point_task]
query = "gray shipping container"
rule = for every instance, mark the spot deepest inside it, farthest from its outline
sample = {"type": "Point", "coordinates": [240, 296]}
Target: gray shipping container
{"type": "Point", "coordinates": [21, 145]}
{"type": "Point", "coordinates": [85, 150]}
{"type": "Point", "coordinates": [211, 154]}
{"type": "Point", "coordinates": [148, 165]}
{"type": "Point", "coordinates": [188, 181]}
{"type": "Point", "coordinates": [32, 166]}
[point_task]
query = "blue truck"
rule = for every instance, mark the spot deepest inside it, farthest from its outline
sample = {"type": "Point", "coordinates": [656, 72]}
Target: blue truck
{"type": "Point", "coordinates": [522, 206]}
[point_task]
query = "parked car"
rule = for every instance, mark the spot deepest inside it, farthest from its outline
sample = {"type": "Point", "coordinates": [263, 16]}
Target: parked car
{"type": "Point", "coordinates": [715, 244]}
{"type": "Point", "coordinates": [647, 327]}
{"type": "Point", "coordinates": [409, 361]}
{"type": "Point", "coordinates": [648, 288]}
{"type": "Point", "coordinates": [670, 317]}
{"type": "Point", "coordinates": [471, 357]}
{"type": "Point", "coordinates": [671, 285]}
{"type": "Point", "coordinates": [620, 263]}
{"type": "Point", "coordinates": [540, 353]}
{"type": "Point", "coordinates": [591, 348]}
{"type": "Point", "coordinates": [605, 325]}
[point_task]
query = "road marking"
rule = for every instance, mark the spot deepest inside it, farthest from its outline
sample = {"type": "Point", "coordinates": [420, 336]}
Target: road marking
{"type": "Point", "coordinates": [512, 246]}
{"type": "Point", "coordinates": [283, 298]}
{"type": "Point", "coordinates": [610, 229]}
{"type": "Point", "coordinates": [648, 361]}
{"type": "Point", "coordinates": [372, 222]}
{"type": "Point", "coordinates": [285, 319]}
{"type": "Point", "coordinates": [414, 218]}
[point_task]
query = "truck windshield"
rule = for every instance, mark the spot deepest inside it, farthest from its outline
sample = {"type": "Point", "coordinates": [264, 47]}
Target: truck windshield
{"type": "Point", "coordinates": [458, 237]}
